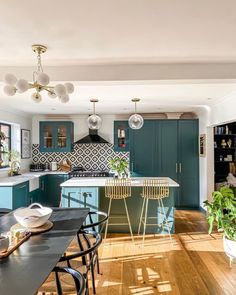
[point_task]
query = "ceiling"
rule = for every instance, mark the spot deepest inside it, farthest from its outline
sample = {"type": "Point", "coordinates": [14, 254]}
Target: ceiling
{"type": "Point", "coordinates": [111, 32]}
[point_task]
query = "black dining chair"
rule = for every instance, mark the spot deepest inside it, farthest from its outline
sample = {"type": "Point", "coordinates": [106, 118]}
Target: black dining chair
{"type": "Point", "coordinates": [82, 254]}
{"type": "Point", "coordinates": [61, 274]}
{"type": "Point", "coordinates": [97, 221]}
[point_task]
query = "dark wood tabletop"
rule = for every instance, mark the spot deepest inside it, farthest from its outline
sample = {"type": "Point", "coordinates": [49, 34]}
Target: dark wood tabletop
{"type": "Point", "coordinates": [24, 271]}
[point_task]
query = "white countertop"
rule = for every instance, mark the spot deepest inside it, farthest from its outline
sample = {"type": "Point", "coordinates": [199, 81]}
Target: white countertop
{"type": "Point", "coordinates": [14, 180]}
{"type": "Point", "coordinates": [100, 181]}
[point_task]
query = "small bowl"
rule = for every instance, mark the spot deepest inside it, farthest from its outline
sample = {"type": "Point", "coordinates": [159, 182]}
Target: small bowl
{"type": "Point", "coordinates": [4, 243]}
{"type": "Point", "coordinates": [33, 217]}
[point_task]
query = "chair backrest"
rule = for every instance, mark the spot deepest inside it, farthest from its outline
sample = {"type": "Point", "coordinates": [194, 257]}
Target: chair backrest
{"type": "Point", "coordinates": [88, 243]}
{"type": "Point", "coordinates": [101, 218]}
{"type": "Point", "coordinates": [78, 278]}
{"type": "Point", "coordinates": [155, 189]}
{"type": "Point", "coordinates": [118, 188]}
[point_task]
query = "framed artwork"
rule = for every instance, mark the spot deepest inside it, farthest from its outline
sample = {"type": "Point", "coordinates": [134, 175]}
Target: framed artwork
{"type": "Point", "coordinates": [202, 145]}
{"type": "Point", "coordinates": [25, 144]}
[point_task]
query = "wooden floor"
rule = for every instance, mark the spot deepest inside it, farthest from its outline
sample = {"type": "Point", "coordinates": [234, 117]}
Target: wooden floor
{"type": "Point", "coordinates": [194, 264]}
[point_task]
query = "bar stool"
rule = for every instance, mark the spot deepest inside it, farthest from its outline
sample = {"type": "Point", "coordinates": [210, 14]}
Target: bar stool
{"type": "Point", "coordinates": [118, 189]}
{"type": "Point", "coordinates": [154, 189]}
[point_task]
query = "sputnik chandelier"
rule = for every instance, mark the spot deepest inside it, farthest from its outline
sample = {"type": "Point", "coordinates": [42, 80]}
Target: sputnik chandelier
{"type": "Point", "coordinates": [40, 82]}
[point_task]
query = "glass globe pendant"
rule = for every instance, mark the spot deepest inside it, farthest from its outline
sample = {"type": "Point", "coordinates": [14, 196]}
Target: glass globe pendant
{"type": "Point", "coordinates": [135, 120]}
{"type": "Point", "coordinates": [94, 121]}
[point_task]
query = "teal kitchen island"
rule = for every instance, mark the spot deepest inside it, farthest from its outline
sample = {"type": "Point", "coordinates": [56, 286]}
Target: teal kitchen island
{"type": "Point", "coordinates": [90, 192]}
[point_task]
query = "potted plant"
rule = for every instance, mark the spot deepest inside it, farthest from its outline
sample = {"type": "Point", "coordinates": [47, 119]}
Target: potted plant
{"type": "Point", "coordinates": [222, 210]}
{"type": "Point", "coordinates": [119, 166]}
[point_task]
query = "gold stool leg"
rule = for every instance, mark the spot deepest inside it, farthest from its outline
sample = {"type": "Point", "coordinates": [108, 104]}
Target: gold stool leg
{"type": "Point", "coordinates": [145, 220]}
{"type": "Point", "coordinates": [166, 220]}
{"type": "Point", "coordinates": [109, 210]}
{"type": "Point", "coordinates": [127, 213]}
{"type": "Point", "coordinates": [141, 217]}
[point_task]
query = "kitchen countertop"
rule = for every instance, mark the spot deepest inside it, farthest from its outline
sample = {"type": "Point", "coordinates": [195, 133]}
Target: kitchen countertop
{"type": "Point", "coordinates": [100, 181]}
{"type": "Point", "coordinates": [14, 180]}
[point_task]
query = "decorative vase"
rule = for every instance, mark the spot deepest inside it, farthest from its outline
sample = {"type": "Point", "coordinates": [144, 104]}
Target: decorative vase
{"type": "Point", "coordinates": [230, 248]}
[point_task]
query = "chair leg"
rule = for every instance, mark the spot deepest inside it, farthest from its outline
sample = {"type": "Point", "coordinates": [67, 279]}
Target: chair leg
{"type": "Point", "coordinates": [145, 220]}
{"type": "Point", "coordinates": [93, 278]}
{"type": "Point", "coordinates": [127, 213]}
{"type": "Point", "coordinates": [165, 218]}
{"type": "Point", "coordinates": [109, 210]}
{"type": "Point", "coordinates": [98, 266]}
{"type": "Point", "coordinates": [141, 216]}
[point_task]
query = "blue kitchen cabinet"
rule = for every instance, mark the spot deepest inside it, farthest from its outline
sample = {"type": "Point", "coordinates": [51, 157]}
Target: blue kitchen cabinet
{"type": "Point", "coordinates": [13, 197]}
{"type": "Point", "coordinates": [168, 148]}
{"type": "Point", "coordinates": [53, 189]}
{"type": "Point", "coordinates": [80, 197]}
{"type": "Point", "coordinates": [121, 136]}
{"type": "Point", "coordinates": [56, 136]}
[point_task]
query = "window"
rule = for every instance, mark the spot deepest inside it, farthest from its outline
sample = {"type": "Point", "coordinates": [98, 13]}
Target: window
{"type": "Point", "coordinates": [5, 144]}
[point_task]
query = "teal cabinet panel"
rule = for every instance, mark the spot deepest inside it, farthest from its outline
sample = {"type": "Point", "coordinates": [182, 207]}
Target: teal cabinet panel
{"type": "Point", "coordinates": [167, 148]}
{"type": "Point", "coordinates": [188, 178]}
{"type": "Point", "coordinates": [56, 136]}
{"type": "Point", "coordinates": [6, 200]}
{"type": "Point", "coordinates": [121, 136]}
{"type": "Point", "coordinates": [143, 150]}
{"type": "Point", "coordinates": [80, 197]}
{"type": "Point", "coordinates": [34, 196]}
{"type": "Point", "coordinates": [42, 194]}
{"type": "Point", "coordinates": [21, 195]}
{"type": "Point", "coordinates": [53, 189]}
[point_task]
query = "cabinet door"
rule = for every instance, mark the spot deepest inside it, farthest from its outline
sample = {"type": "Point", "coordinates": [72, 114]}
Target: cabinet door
{"type": "Point", "coordinates": [42, 195]}
{"type": "Point", "coordinates": [46, 139]}
{"type": "Point", "coordinates": [143, 150]}
{"type": "Point", "coordinates": [21, 195]}
{"type": "Point", "coordinates": [167, 143]}
{"type": "Point", "coordinates": [63, 136]}
{"type": "Point", "coordinates": [188, 164]}
{"type": "Point", "coordinates": [121, 136]}
{"type": "Point", "coordinates": [54, 189]}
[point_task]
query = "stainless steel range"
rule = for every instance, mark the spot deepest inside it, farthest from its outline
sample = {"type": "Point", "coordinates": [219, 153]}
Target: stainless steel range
{"type": "Point", "coordinates": [81, 172]}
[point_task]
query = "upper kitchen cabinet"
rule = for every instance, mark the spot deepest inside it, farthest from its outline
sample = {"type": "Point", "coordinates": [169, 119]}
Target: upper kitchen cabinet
{"type": "Point", "coordinates": [56, 136]}
{"type": "Point", "coordinates": [121, 136]}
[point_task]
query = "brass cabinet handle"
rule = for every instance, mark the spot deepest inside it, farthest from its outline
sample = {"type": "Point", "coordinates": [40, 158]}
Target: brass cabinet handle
{"type": "Point", "coordinates": [176, 167]}
{"type": "Point", "coordinates": [180, 168]}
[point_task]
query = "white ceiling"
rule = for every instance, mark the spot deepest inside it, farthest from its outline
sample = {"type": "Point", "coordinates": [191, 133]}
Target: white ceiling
{"type": "Point", "coordinates": [110, 32]}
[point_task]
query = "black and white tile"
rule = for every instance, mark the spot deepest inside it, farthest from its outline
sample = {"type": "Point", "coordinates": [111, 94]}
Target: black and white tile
{"type": "Point", "coordinates": [90, 156]}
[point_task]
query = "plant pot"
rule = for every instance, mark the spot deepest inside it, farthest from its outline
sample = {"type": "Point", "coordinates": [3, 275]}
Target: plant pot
{"type": "Point", "coordinates": [230, 248]}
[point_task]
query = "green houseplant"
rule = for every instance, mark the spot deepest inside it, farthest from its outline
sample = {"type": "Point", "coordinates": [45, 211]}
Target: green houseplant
{"type": "Point", "coordinates": [119, 166]}
{"type": "Point", "coordinates": [222, 211]}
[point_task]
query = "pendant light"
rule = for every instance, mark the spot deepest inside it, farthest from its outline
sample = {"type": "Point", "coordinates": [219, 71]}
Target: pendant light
{"type": "Point", "coordinates": [94, 121]}
{"type": "Point", "coordinates": [135, 120]}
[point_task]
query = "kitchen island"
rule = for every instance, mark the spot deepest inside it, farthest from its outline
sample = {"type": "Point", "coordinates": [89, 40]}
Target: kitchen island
{"type": "Point", "coordinates": [90, 192]}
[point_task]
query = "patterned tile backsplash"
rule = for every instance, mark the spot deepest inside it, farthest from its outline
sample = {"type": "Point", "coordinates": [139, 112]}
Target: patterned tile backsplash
{"type": "Point", "coordinates": [90, 156]}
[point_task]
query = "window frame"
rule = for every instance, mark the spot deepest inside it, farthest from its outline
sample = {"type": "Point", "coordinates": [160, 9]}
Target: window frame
{"type": "Point", "coordinates": [9, 138]}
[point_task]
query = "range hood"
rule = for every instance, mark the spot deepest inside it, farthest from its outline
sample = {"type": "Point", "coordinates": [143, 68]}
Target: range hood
{"type": "Point", "coordinates": [92, 137]}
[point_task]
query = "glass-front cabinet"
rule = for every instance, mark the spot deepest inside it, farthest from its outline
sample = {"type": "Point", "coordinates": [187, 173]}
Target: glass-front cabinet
{"type": "Point", "coordinates": [121, 136]}
{"type": "Point", "coordinates": [56, 136]}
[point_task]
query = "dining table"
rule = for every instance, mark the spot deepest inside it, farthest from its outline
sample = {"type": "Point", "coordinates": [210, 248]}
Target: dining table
{"type": "Point", "coordinates": [25, 269]}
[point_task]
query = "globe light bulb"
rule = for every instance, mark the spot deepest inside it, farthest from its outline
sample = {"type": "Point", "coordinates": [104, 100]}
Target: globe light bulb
{"type": "Point", "coordinates": [10, 79]}
{"type": "Point", "coordinates": [52, 95]}
{"type": "Point", "coordinates": [43, 79]}
{"type": "Point", "coordinates": [60, 90]}
{"type": "Point", "coordinates": [69, 87]}
{"type": "Point", "coordinates": [36, 97]}
{"type": "Point", "coordinates": [135, 121]}
{"type": "Point", "coordinates": [94, 122]}
{"type": "Point", "coordinates": [9, 90]}
{"type": "Point", "coordinates": [22, 85]}
{"type": "Point", "coordinates": [64, 98]}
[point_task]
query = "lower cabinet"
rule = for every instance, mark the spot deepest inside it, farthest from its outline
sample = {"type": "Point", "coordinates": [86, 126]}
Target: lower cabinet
{"type": "Point", "coordinates": [80, 197]}
{"type": "Point", "coordinates": [13, 197]}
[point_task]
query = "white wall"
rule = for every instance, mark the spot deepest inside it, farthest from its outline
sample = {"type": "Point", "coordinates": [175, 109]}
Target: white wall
{"type": "Point", "coordinates": [19, 121]}
{"type": "Point", "coordinates": [206, 164]}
